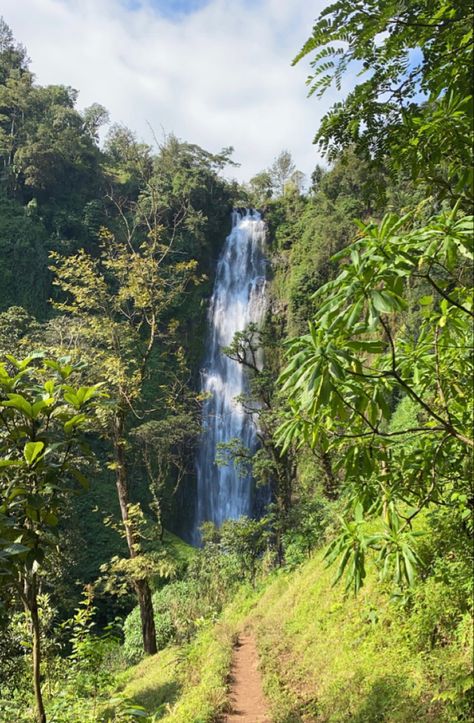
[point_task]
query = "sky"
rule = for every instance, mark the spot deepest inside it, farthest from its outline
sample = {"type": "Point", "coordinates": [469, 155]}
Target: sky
{"type": "Point", "coordinates": [213, 72]}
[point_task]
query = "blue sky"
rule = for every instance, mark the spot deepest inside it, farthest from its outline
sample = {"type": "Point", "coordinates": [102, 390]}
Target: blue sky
{"type": "Point", "coordinates": [214, 72]}
{"type": "Point", "coordinates": [174, 9]}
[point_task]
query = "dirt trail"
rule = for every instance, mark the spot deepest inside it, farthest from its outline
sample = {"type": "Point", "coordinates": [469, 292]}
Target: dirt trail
{"type": "Point", "coordinates": [248, 703]}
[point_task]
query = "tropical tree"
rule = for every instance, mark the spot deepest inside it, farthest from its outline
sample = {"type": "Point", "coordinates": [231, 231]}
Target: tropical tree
{"type": "Point", "coordinates": [414, 108]}
{"type": "Point", "coordinates": [94, 117]}
{"type": "Point", "coordinates": [271, 469]}
{"type": "Point", "coordinates": [247, 539]}
{"type": "Point", "coordinates": [261, 188]}
{"type": "Point", "coordinates": [13, 56]}
{"type": "Point", "coordinates": [281, 171]}
{"type": "Point", "coordinates": [43, 417]}
{"type": "Point", "coordinates": [380, 380]}
{"type": "Point", "coordinates": [362, 356]}
{"type": "Point", "coordinates": [117, 304]}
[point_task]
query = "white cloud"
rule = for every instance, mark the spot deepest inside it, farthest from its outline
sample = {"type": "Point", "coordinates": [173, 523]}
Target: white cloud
{"type": "Point", "coordinates": [217, 77]}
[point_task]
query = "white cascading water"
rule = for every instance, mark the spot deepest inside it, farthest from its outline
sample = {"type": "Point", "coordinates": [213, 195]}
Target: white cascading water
{"type": "Point", "coordinates": [238, 299]}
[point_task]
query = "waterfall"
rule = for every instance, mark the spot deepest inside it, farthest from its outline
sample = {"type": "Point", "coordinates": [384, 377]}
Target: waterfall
{"type": "Point", "coordinates": [238, 299]}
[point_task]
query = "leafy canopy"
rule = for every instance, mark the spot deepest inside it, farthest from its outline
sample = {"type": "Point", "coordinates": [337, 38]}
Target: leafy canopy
{"type": "Point", "coordinates": [413, 106]}
{"type": "Point", "coordinates": [43, 416]}
{"type": "Point", "coordinates": [362, 354]}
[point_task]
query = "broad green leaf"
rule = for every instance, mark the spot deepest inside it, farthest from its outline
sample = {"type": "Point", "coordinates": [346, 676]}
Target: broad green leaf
{"type": "Point", "coordinates": [32, 450]}
{"type": "Point", "coordinates": [18, 402]}
{"type": "Point", "coordinates": [74, 422]}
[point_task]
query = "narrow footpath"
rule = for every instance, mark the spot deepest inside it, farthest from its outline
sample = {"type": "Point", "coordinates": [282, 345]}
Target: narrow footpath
{"type": "Point", "coordinates": [248, 702]}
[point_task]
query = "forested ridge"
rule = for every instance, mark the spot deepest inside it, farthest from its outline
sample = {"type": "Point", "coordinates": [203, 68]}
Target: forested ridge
{"type": "Point", "coordinates": [356, 577]}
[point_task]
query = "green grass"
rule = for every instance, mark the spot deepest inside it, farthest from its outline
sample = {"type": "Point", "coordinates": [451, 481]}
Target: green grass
{"type": "Point", "coordinates": [154, 681]}
{"type": "Point", "coordinates": [185, 684]}
{"type": "Point", "coordinates": [204, 689]}
{"type": "Point", "coordinates": [324, 657]}
{"type": "Point", "coordinates": [330, 658]}
{"type": "Point", "coordinates": [188, 683]}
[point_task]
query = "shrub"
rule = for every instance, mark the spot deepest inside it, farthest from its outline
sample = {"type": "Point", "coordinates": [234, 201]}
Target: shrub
{"type": "Point", "coordinates": [177, 607]}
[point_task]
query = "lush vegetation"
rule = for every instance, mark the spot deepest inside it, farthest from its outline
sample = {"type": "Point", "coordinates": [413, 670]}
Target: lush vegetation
{"type": "Point", "coordinates": [356, 580]}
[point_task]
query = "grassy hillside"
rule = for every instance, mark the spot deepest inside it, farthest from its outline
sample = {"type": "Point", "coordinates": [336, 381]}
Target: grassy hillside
{"type": "Point", "coordinates": [331, 658]}
{"type": "Point", "coordinates": [324, 656]}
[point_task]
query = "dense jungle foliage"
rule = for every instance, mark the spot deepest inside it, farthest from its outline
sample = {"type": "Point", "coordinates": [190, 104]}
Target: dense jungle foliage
{"type": "Point", "coordinates": [364, 405]}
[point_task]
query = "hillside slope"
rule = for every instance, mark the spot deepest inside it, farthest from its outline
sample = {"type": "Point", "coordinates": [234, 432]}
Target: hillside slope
{"type": "Point", "coordinates": [324, 656]}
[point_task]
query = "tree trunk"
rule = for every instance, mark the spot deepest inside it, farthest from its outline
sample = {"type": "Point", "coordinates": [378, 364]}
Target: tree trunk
{"type": "Point", "coordinates": [32, 598]}
{"type": "Point", "coordinates": [331, 483]}
{"type": "Point", "coordinates": [147, 616]}
{"type": "Point", "coordinates": [142, 588]}
{"type": "Point", "coordinates": [281, 494]}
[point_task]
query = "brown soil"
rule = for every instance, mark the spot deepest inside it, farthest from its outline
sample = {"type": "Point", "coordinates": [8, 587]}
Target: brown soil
{"type": "Point", "coordinates": [246, 695]}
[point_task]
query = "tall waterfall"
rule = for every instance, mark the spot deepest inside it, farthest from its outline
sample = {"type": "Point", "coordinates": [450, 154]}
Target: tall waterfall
{"type": "Point", "coordinates": [238, 299]}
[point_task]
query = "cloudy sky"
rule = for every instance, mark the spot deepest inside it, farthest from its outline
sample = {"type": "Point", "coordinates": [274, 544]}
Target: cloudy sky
{"type": "Point", "coordinates": [214, 72]}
